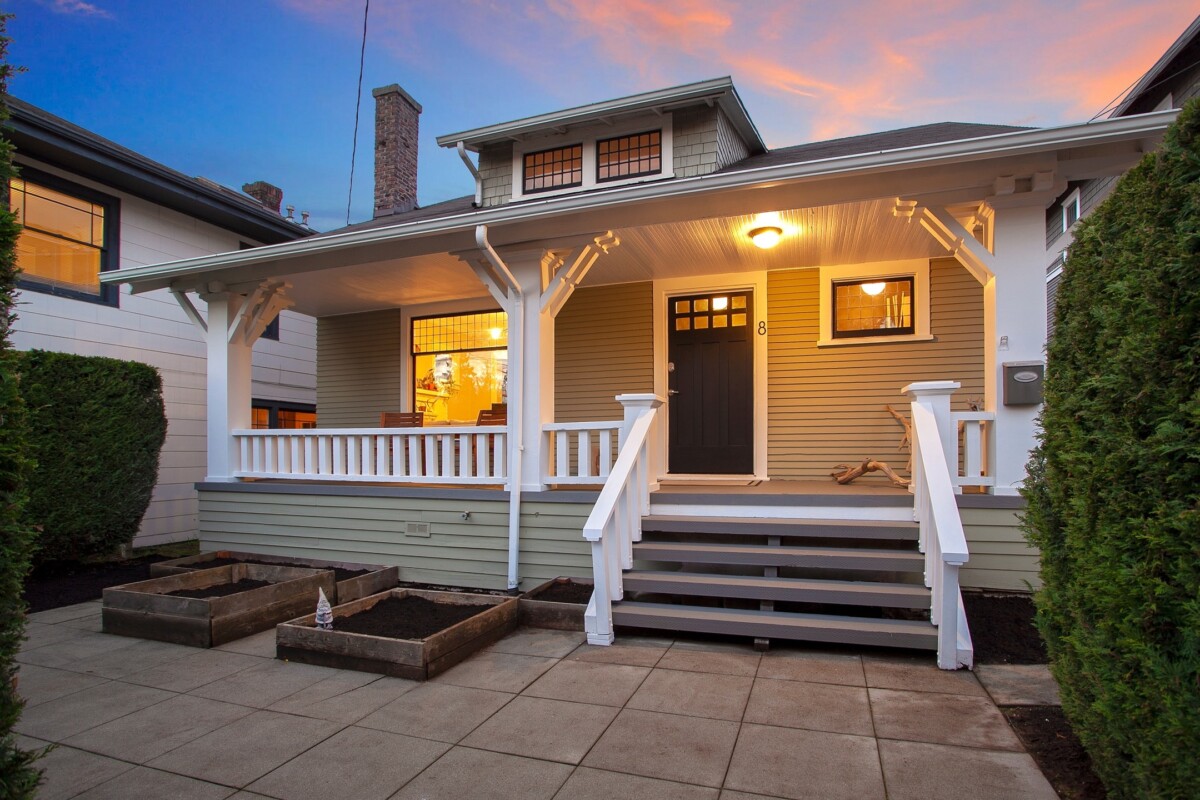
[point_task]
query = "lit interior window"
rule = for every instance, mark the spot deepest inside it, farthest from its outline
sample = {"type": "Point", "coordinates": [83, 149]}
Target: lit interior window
{"type": "Point", "coordinates": [460, 366]}
{"type": "Point", "coordinates": [873, 307]}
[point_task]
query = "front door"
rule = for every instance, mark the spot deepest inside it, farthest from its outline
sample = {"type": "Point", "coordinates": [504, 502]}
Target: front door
{"type": "Point", "coordinates": [711, 383]}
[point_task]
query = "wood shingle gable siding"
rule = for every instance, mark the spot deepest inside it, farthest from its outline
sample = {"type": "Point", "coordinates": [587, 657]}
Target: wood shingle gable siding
{"type": "Point", "coordinates": [359, 368]}
{"type": "Point", "coordinates": [826, 405]}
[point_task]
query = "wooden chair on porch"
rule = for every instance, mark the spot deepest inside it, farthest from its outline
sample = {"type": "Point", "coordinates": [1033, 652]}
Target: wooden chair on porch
{"type": "Point", "coordinates": [402, 419]}
{"type": "Point", "coordinates": [496, 415]}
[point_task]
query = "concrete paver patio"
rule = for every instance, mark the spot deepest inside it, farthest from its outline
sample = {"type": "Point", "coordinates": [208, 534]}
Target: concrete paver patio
{"type": "Point", "coordinates": [539, 715]}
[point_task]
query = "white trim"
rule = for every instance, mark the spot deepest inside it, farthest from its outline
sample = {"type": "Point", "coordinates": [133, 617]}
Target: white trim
{"type": "Point", "coordinates": [664, 506]}
{"type": "Point", "coordinates": [588, 136]}
{"type": "Point", "coordinates": [917, 269]}
{"type": "Point", "coordinates": [756, 282]}
{"type": "Point", "coordinates": [1073, 199]}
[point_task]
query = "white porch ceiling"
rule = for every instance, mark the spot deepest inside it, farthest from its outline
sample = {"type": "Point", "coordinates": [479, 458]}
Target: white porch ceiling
{"type": "Point", "coordinates": [849, 233]}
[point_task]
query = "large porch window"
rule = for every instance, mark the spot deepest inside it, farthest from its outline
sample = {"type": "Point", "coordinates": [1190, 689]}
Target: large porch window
{"type": "Point", "coordinates": [460, 366]}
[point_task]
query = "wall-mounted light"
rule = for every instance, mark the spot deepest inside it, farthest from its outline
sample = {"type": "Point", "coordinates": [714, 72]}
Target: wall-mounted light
{"type": "Point", "coordinates": [873, 289]}
{"type": "Point", "coordinates": [766, 236]}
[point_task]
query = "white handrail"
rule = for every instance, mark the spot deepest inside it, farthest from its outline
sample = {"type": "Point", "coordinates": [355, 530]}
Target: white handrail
{"type": "Point", "coordinates": [616, 522]}
{"type": "Point", "coordinates": [941, 536]}
{"type": "Point", "coordinates": [460, 454]}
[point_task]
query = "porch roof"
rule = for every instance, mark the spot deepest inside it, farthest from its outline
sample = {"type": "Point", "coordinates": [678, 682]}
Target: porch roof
{"type": "Point", "coordinates": [698, 222]}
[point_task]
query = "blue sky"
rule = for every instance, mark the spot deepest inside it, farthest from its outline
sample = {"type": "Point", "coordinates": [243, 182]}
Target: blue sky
{"type": "Point", "coordinates": [265, 89]}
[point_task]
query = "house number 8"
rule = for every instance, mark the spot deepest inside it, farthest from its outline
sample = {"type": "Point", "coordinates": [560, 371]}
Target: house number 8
{"type": "Point", "coordinates": [762, 328]}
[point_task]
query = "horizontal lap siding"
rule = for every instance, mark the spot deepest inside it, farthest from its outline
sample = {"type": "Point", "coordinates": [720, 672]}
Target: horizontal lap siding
{"type": "Point", "coordinates": [1000, 556]}
{"type": "Point", "coordinates": [604, 346]}
{"type": "Point", "coordinates": [827, 405]}
{"type": "Point", "coordinates": [472, 552]}
{"type": "Point", "coordinates": [359, 368]}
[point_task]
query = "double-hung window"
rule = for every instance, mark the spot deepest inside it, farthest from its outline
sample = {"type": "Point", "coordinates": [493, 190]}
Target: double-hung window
{"type": "Point", "coordinates": [69, 236]}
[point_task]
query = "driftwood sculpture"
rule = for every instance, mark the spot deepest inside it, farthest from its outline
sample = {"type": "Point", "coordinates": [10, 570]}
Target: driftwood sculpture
{"type": "Point", "coordinates": [847, 473]}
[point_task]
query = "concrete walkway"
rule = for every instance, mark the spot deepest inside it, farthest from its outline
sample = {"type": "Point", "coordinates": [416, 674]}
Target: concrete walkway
{"type": "Point", "coordinates": [538, 715]}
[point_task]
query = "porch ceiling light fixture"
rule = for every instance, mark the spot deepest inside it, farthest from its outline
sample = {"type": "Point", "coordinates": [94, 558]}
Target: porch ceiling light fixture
{"type": "Point", "coordinates": [873, 289]}
{"type": "Point", "coordinates": [766, 236]}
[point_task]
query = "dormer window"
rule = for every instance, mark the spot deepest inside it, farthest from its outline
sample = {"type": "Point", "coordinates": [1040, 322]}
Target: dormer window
{"type": "Point", "coordinates": [593, 156]}
{"type": "Point", "coordinates": [629, 156]}
{"type": "Point", "coordinates": [558, 168]}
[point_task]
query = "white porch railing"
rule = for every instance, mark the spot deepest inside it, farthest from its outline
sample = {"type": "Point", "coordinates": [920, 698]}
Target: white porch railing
{"type": "Point", "coordinates": [579, 452]}
{"type": "Point", "coordinates": [941, 538]}
{"type": "Point", "coordinates": [973, 427]}
{"type": "Point", "coordinates": [454, 455]}
{"type": "Point", "coordinates": [616, 520]}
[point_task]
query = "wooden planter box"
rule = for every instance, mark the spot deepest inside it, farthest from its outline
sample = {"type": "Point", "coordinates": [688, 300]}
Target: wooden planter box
{"type": "Point", "coordinates": [550, 613]}
{"type": "Point", "coordinates": [416, 659]}
{"type": "Point", "coordinates": [144, 609]}
{"type": "Point", "coordinates": [379, 579]}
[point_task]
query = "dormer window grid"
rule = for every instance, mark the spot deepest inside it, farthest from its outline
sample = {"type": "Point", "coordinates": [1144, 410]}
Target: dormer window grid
{"type": "Point", "coordinates": [629, 156]}
{"type": "Point", "coordinates": [557, 168]}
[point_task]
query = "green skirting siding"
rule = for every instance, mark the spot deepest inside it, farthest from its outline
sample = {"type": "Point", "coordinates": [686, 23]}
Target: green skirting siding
{"type": "Point", "coordinates": [379, 530]}
{"type": "Point", "coordinates": [1000, 556]}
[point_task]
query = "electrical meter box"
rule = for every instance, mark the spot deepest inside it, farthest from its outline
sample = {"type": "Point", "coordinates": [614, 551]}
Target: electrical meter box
{"type": "Point", "coordinates": [1023, 382]}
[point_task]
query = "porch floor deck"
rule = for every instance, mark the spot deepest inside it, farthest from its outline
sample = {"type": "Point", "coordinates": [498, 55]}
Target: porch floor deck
{"type": "Point", "coordinates": [538, 715]}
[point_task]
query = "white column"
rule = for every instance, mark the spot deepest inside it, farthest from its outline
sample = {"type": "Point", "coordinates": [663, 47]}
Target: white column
{"type": "Point", "coordinates": [228, 385]}
{"type": "Point", "coordinates": [536, 368]}
{"type": "Point", "coordinates": [1014, 330]}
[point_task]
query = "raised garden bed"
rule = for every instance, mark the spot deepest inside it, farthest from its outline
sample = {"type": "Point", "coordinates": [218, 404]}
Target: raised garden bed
{"type": "Point", "coordinates": [150, 610]}
{"type": "Point", "coordinates": [354, 581]}
{"type": "Point", "coordinates": [438, 642]}
{"type": "Point", "coordinates": [557, 604]}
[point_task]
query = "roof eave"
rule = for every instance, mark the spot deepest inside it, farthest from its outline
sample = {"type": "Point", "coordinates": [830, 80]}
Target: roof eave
{"type": "Point", "coordinates": [996, 146]}
{"type": "Point", "coordinates": [720, 90]}
{"type": "Point", "coordinates": [1155, 71]}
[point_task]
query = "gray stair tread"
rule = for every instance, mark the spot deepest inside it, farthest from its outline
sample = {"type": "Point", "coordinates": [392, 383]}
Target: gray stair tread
{"type": "Point", "coordinates": [770, 526]}
{"type": "Point", "coordinates": [687, 579]}
{"type": "Point", "coordinates": [777, 624]}
{"type": "Point", "coordinates": [842, 557]}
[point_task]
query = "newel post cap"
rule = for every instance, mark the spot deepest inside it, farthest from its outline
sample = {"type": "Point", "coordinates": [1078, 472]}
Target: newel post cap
{"type": "Point", "coordinates": [931, 388]}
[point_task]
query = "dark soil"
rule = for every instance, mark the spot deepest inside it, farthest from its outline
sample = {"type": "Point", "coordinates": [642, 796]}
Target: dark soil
{"type": "Point", "coordinates": [565, 592]}
{"type": "Point", "coordinates": [406, 618]}
{"type": "Point", "coordinates": [340, 573]}
{"type": "Point", "coordinates": [1049, 739]}
{"type": "Point", "coordinates": [221, 589]}
{"type": "Point", "coordinates": [436, 587]}
{"type": "Point", "coordinates": [1002, 630]}
{"type": "Point", "coordinates": [64, 583]}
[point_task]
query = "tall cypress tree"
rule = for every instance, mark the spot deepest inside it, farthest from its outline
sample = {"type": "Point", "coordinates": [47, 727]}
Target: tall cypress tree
{"type": "Point", "coordinates": [1114, 486]}
{"type": "Point", "coordinates": [18, 778]}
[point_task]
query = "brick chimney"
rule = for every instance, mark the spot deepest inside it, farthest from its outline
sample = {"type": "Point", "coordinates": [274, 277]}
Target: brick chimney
{"type": "Point", "coordinates": [396, 116]}
{"type": "Point", "coordinates": [270, 196]}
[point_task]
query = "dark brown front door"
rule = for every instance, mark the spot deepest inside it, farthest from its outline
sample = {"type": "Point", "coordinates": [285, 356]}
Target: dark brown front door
{"type": "Point", "coordinates": [711, 382]}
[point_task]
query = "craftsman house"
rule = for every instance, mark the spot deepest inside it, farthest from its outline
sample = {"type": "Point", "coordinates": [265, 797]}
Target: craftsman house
{"type": "Point", "coordinates": [638, 350]}
{"type": "Point", "coordinates": [90, 207]}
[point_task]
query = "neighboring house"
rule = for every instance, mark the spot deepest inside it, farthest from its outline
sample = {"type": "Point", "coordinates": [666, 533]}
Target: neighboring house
{"type": "Point", "coordinates": [623, 250]}
{"type": "Point", "coordinates": [1172, 81]}
{"type": "Point", "coordinates": [90, 207]}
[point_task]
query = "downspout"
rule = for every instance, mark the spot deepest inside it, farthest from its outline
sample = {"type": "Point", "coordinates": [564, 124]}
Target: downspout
{"type": "Point", "coordinates": [466, 159]}
{"type": "Point", "coordinates": [515, 359]}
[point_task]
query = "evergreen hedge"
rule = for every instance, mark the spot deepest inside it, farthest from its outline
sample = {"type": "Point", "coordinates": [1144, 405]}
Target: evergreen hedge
{"type": "Point", "coordinates": [1114, 484]}
{"type": "Point", "coordinates": [18, 777]}
{"type": "Point", "coordinates": [96, 426]}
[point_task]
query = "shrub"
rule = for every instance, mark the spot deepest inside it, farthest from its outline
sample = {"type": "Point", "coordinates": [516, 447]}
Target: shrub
{"type": "Point", "coordinates": [1114, 484]}
{"type": "Point", "coordinates": [96, 426]}
{"type": "Point", "coordinates": [18, 778]}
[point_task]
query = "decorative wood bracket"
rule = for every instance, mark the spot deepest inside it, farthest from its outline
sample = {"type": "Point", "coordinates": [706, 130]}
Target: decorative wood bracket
{"type": "Point", "coordinates": [189, 308]}
{"type": "Point", "coordinates": [560, 279]}
{"type": "Point", "coordinates": [260, 310]}
{"type": "Point", "coordinates": [950, 234]}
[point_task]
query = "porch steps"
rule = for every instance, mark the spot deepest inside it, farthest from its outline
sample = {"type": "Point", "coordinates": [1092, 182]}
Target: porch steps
{"type": "Point", "coordinates": [774, 526]}
{"type": "Point", "coordinates": [850, 558]}
{"type": "Point", "coordinates": [828, 580]}
{"type": "Point", "coordinates": [915, 634]}
{"type": "Point", "coordinates": [792, 590]}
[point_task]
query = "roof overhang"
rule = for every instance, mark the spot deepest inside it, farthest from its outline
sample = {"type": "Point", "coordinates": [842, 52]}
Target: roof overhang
{"type": "Point", "coordinates": [945, 173]}
{"type": "Point", "coordinates": [1155, 72]}
{"type": "Point", "coordinates": [41, 136]}
{"type": "Point", "coordinates": [719, 92]}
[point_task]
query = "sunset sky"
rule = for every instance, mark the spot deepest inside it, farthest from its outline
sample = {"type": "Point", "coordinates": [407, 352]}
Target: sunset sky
{"type": "Point", "coordinates": [244, 90]}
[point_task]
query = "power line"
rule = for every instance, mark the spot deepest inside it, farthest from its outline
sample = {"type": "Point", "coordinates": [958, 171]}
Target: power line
{"type": "Point", "coordinates": [362, 57]}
